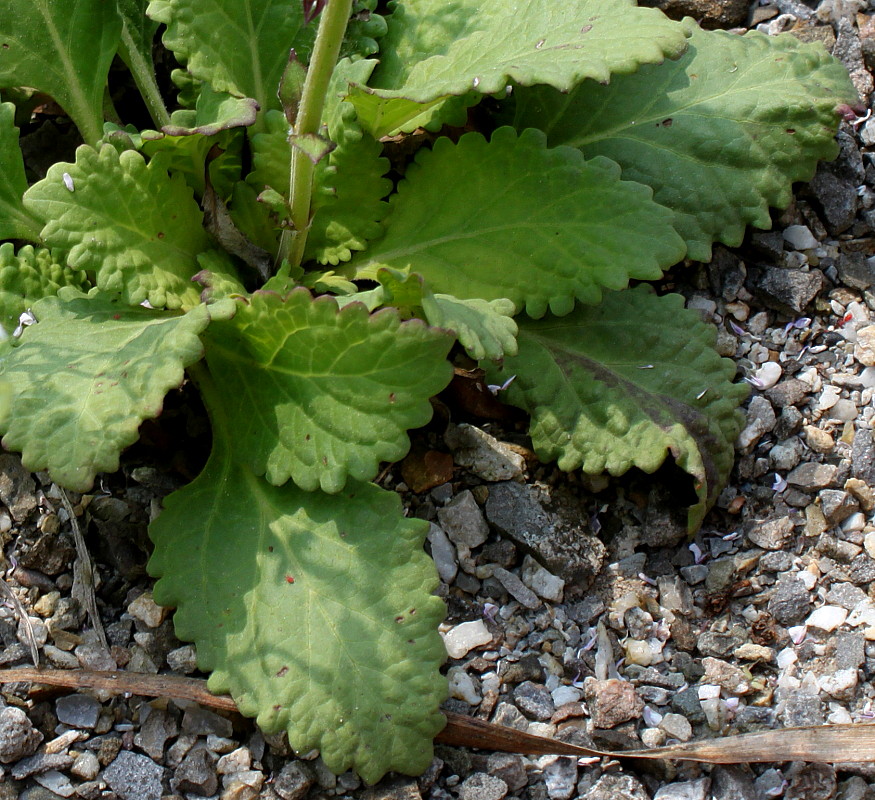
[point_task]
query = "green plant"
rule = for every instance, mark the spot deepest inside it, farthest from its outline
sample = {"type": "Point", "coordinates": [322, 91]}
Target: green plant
{"type": "Point", "coordinates": [251, 244]}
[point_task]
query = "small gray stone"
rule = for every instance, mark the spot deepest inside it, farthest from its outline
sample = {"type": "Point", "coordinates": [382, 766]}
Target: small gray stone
{"type": "Point", "coordinates": [863, 456]}
{"type": "Point", "coordinates": [786, 455]}
{"type": "Point", "coordinates": [462, 520]}
{"type": "Point", "coordinates": [528, 668]}
{"type": "Point", "coordinates": [837, 197]}
{"type": "Point", "coordinates": [770, 784]}
{"type": "Point", "coordinates": [837, 505]}
{"type": "Point", "coordinates": [849, 649]}
{"type": "Point", "coordinates": [77, 710]}
{"type": "Point", "coordinates": [391, 789]}
{"type": "Point", "coordinates": [196, 774]}
{"type": "Point", "coordinates": [443, 553]}
{"type": "Point", "coordinates": [18, 737]}
{"type": "Point", "coordinates": [732, 783]}
{"type": "Point", "coordinates": [802, 709]}
{"type": "Point", "coordinates": [294, 781]}
{"type": "Point", "coordinates": [760, 420]}
{"type": "Point", "coordinates": [534, 701]}
{"type": "Point", "coordinates": [787, 290]}
{"type": "Point", "coordinates": [17, 487]}
{"type": "Point", "coordinates": [686, 790]}
{"type": "Point", "coordinates": [789, 423]}
{"type": "Point", "coordinates": [617, 787]}
{"type": "Point", "coordinates": [40, 762]}
{"type": "Point", "coordinates": [154, 732]}
{"type": "Point", "coordinates": [774, 534]}
{"type": "Point", "coordinates": [56, 782]}
{"type": "Point", "coordinates": [483, 454]}
{"type": "Point", "coordinates": [509, 768]}
{"type": "Point", "coordinates": [134, 777]}
{"type": "Point", "coordinates": [719, 645]}
{"type": "Point", "coordinates": [687, 704]}
{"type": "Point", "coordinates": [481, 786]}
{"type": "Point", "coordinates": [202, 722]}
{"type": "Point", "coordinates": [791, 601]}
{"type": "Point", "coordinates": [516, 588]}
{"type": "Point", "coordinates": [812, 476]}
{"type": "Point", "coordinates": [560, 777]}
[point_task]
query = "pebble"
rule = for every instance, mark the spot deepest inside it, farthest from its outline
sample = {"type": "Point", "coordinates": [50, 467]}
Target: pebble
{"type": "Point", "coordinates": [760, 420]}
{"type": "Point", "coordinates": [560, 777]}
{"type": "Point", "coordinates": [480, 786]}
{"type": "Point", "coordinates": [611, 701]}
{"type": "Point", "coordinates": [464, 637]}
{"type": "Point", "coordinates": [827, 618]}
{"type": "Point", "coordinates": [800, 237]}
{"type": "Point", "coordinates": [18, 737]}
{"type": "Point", "coordinates": [293, 781]}
{"type": "Point", "coordinates": [686, 790]}
{"type": "Point", "coordinates": [677, 726]}
{"type": "Point", "coordinates": [196, 774]}
{"type": "Point", "coordinates": [483, 454]}
{"type": "Point", "coordinates": [145, 609]}
{"type": "Point", "coordinates": [812, 476]}
{"type": "Point", "coordinates": [462, 520]}
{"type": "Point", "coordinates": [56, 782]}
{"type": "Point", "coordinates": [134, 777]}
{"type": "Point", "coordinates": [534, 701]}
{"type": "Point", "coordinates": [864, 347]}
{"type": "Point", "coordinates": [77, 710]}
{"type": "Point", "coordinates": [86, 766]}
{"type": "Point", "coordinates": [818, 439]}
{"type": "Point", "coordinates": [541, 582]}
{"type": "Point", "coordinates": [462, 686]}
{"type": "Point", "coordinates": [839, 684]}
{"type": "Point", "coordinates": [516, 588]}
{"type": "Point", "coordinates": [443, 553]}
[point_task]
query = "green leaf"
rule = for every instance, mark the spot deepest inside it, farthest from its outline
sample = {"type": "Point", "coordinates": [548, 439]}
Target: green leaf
{"type": "Point", "coordinates": [484, 328]}
{"type": "Point", "coordinates": [432, 50]}
{"type": "Point", "coordinates": [118, 221]}
{"type": "Point", "coordinates": [86, 375]}
{"type": "Point", "coordinates": [720, 134]}
{"type": "Point", "coordinates": [15, 222]}
{"type": "Point", "coordinates": [381, 116]}
{"type": "Point", "coordinates": [513, 219]}
{"type": "Point", "coordinates": [626, 383]}
{"type": "Point", "coordinates": [62, 49]}
{"type": "Point", "coordinates": [314, 611]}
{"type": "Point", "coordinates": [319, 394]}
{"type": "Point", "coordinates": [213, 112]}
{"type": "Point", "coordinates": [239, 48]}
{"type": "Point", "coordinates": [28, 276]}
{"type": "Point", "coordinates": [139, 31]}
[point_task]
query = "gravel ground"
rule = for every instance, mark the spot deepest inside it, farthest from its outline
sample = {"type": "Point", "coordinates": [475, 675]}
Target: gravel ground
{"type": "Point", "coordinates": [609, 627]}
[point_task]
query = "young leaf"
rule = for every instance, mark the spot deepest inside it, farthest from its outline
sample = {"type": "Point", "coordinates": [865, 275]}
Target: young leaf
{"type": "Point", "coordinates": [720, 134]}
{"type": "Point", "coordinates": [62, 49]}
{"type": "Point", "coordinates": [15, 222]}
{"type": "Point", "coordinates": [239, 48]}
{"type": "Point", "coordinates": [136, 226]}
{"type": "Point", "coordinates": [433, 50]}
{"type": "Point", "coordinates": [346, 658]}
{"type": "Point", "coordinates": [319, 394]}
{"type": "Point", "coordinates": [213, 112]}
{"type": "Point", "coordinates": [86, 375]}
{"type": "Point", "coordinates": [625, 383]}
{"type": "Point", "coordinates": [28, 276]}
{"type": "Point", "coordinates": [484, 328]}
{"type": "Point", "coordinates": [513, 219]}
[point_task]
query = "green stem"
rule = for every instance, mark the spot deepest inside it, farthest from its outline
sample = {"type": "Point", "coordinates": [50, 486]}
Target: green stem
{"type": "Point", "coordinates": [144, 76]}
{"type": "Point", "coordinates": [332, 26]}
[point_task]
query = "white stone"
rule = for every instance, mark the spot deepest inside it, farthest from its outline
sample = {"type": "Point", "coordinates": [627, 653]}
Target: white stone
{"type": "Point", "coordinates": [677, 726]}
{"type": "Point", "coordinates": [827, 618]}
{"type": "Point", "coordinates": [56, 782]}
{"type": "Point", "coordinates": [769, 374]}
{"type": "Point", "coordinates": [828, 398]}
{"type": "Point", "coordinates": [565, 694]}
{"type": "Point", "coordinates": [145, 609]}
{"type": "Point", "coordinates": [708, 691]}
{"type": "Point", "coordinates": [541, 582]}
{"type": "Point", "coordinates": [867, 377]}
{"type": "Point", "coordinates": [864, 349]}
{"type": "Point", "coordinates": [443, 553]}
{"type": "Point", "coordinates": [869, 544]}
{"type": "Point", "coordinates": [800, 237]}
{"type": "Point", "coordinates": [464, 637]}
{"type": "Point", "coordinates": [638, 652]}
{"type": "Point", "coordinates": [786, 657]}
{"type": "Point", "coordinates": [462, 686]}
{"type": "Point", "coordinates": [837, 684]}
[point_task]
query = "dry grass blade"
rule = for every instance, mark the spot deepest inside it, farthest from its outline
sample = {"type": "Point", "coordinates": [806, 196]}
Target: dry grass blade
{"type": "Point", "coordinates": [25, 620]}
{"type": "Point", "coordinates": [827, 743]}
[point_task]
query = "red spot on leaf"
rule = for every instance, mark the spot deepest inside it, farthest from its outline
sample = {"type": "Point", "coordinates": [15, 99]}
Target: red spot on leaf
{"type": "Point", "coordinates": [391, 397]}
{"type": "Point", "coordinates": [289, 579]}
{"type": "Point", "coordinates": [116, 316]}
{"type": "Point", "coordinates": [282, 672]}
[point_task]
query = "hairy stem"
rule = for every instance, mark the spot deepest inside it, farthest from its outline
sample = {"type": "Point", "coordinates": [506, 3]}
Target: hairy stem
{"type": "Point", "coordinates": [143, 73]}
{"type": "Point", "coordinates": [332, 26]}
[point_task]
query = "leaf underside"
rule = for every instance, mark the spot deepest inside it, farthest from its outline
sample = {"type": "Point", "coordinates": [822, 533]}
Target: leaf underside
{"type": "Point", "coordinates": [435, 49]}
{"type": "Point", "coordinates": [517, 220]}
{"type": "Point", "coordinates": [137, 227]}
{"type": "Point", "coordinates": [720, 134]}
{"type": "Point", "coordinates": [86, 375]}
{"type": "Point", "coordinates": [313, 611]}
{"type": "Point", "coordinates": [62, 49]}
{"type": "Point", "coordinates": [319, 394]}
{"type": "Point", "coordinates": [626, 383]}
{"type": "Point", "coordinates": [29, 275]}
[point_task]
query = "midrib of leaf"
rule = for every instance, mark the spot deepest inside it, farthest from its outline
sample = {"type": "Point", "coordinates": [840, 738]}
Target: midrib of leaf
{"type": "Point", "coordinates": [256, 59]}
{"type": "Point", "coordinates": [82, 113]}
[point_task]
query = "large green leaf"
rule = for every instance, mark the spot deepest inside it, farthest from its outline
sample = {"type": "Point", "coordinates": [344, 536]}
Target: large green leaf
{"type": "Point", "coordinates": [15, 222]}
{"type": "Point", "coordinates": [237, 47]}
{"type": "Point", "coordinates": [625, 383]}
{"type": "Point", "coordinates": [313, 611]}
{"type": "Point", "coordinates": [318, 394]}
{"type": "Point", "coordinates": [28, 276]}
{"type": "Point", "coordinates": [513, 219]}
{"type": "Point", "coordinates": [434, 49]}
{"type": "Point", "coordinates": [86, 375]}
{"type": "Point", "coordinates": [64, 49]}
{"type": "Point", "coordinates": [720, 134]}
{"type": "Point", "coordinates": [130, 221]}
